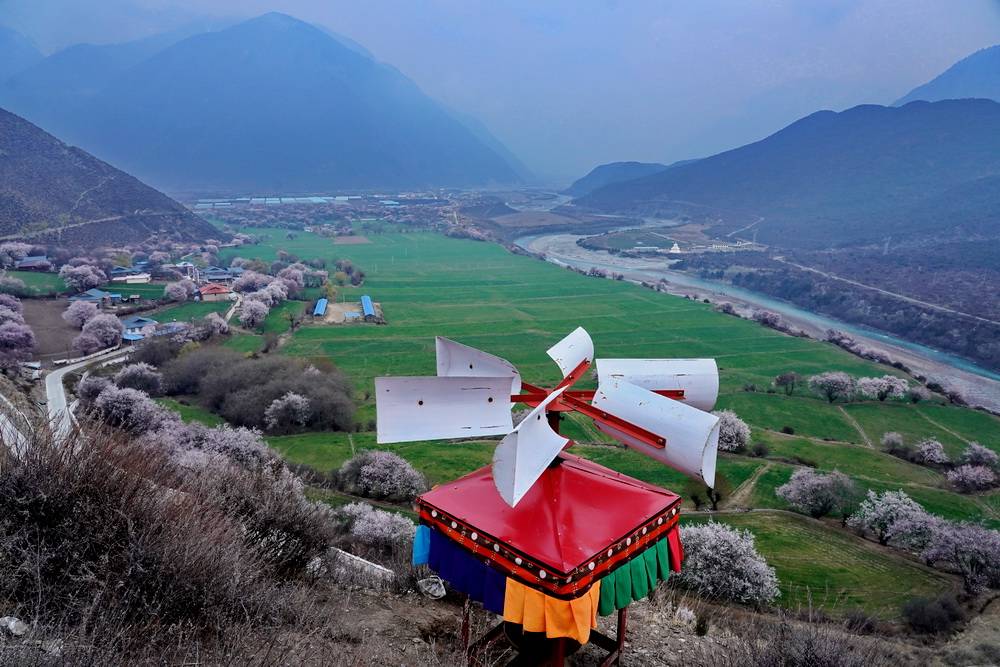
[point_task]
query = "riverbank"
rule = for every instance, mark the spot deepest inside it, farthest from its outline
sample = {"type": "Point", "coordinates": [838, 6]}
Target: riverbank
{"type": "Point", "coordinates": [980, 386]}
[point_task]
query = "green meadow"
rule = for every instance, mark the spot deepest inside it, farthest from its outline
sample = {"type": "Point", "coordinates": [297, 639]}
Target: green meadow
{"type": "Point", "coordinates": [517, 307]}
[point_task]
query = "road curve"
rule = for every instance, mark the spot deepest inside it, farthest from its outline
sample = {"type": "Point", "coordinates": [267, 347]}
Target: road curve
{"type": "Point", "coordinates": [60, 418]}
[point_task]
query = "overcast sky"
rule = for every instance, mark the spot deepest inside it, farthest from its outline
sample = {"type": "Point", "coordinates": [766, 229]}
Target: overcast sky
{"type": "Point", "coordinates": [569, 84]}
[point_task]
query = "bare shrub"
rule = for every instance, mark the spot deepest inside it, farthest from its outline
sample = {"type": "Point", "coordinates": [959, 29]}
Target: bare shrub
{"type": "Point", "coordinates": [933, 616]}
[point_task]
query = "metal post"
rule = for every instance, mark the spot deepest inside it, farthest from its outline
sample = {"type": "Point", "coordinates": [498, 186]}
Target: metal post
{"type": "Point", "coordinates": [466, 612]}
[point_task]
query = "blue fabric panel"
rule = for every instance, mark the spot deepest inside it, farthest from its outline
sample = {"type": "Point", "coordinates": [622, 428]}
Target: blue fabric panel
{"type": "Point", "coordinates": [466, 573]}
{"type": "Point", "coordinates": [421, 545]}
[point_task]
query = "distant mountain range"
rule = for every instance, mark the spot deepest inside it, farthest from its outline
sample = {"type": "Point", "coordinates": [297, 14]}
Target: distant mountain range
{"type": "Point", "coordinates": [838, 178]}
{"type": "Point", "coordinates": [51, 191]}
{"type": "Point", "coordinates": [270, 104]}
{"type": "Point", "coordinates": [975, 76]}
{"type": "Point", "coordinates": [16, 52]}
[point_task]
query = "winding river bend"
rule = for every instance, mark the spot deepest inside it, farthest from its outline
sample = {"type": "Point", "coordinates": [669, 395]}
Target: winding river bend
{"type": "Point", "coordinates": [981, 385]}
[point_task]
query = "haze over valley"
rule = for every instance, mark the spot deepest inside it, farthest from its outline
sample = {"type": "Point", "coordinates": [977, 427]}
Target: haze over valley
{"type": "Point", "coordinates": [277, 278]}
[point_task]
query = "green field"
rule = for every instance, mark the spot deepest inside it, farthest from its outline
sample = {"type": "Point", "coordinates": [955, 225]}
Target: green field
{"type": "Point", "coordinates": [245, 343]}
{"type": "Point", "coordinates": [821, 566]}
{"type": "Point", "coordinates": [277, 320]}
{"type": "Point", "coordinates": [192, 310]}
{"type": "Point", "coordinates": [39, 282]}
{"type": "Point", "coordinates": [191, 413]}
{"type": "Point", "coordinates": [517, 307]}
{"type": "Point", "coordinates": [150, 291]}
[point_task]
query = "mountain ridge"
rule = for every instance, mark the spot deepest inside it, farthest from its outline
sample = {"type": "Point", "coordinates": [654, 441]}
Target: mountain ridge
{"type": "Point", "coordinates": [276, 104]}
{"type": "Point", "coordinates": [51, 189]}
{"type": "Point", "coordinates": [975, 76]}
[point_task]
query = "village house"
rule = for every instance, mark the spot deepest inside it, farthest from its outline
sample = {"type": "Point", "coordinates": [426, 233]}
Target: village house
{"type": "Point", "coordinates": [215, 292]}
{"type": "Point", "coordinates": [98, 296]}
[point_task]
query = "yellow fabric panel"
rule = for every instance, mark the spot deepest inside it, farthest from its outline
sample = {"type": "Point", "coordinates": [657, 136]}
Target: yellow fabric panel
{"type": "Point", "coordinates": [537, 612]}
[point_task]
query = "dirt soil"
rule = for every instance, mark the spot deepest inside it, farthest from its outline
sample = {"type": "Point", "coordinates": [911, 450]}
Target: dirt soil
{"type": "Point", "coordinates": [350, 240]}
{"type": "Point", "coordinates": [52, 334]}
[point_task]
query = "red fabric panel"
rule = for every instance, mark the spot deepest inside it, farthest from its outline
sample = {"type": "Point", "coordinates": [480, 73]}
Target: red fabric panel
{"type": "Point", "coordinates": [676, 549]}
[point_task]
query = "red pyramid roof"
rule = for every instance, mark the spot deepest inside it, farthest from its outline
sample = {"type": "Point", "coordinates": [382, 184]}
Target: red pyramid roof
{"type": "Point", "coordinates": [574, 514]}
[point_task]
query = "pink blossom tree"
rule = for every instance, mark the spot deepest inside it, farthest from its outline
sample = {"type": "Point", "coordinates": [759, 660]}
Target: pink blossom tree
{"type": "Point", "coordinates": [253, 313]}
{"type": "Point", "coordinates": [251, 281]}
{"type": "Point", "coordinates": [82, 277]}
{"type": "Point", "coordinates": [977, 455]}
{"type": "Point", "coordinates": [130, 409]}
{"type": "Point", "coordinates": [17, 341]}
{"type": "Point", "coordinates": [217, 324]}
{"type": "Point", "coordinates": [878, 513]}
{"type": "Point", "coordinates": [79, 313]}
{"type": "Point", "coordinates": [8, 315]}
{"type": "Point", "coordinates": [11, 302]}
{"type": "Point", "coordinates": [968, 478]}
{"type": "Point", "coordinates": [832, 385]}
{"type": "Point", "coordinates": [381, 475]}
{"type": "Point", "coordinates": [175, 291]}
{"type": "Point", "coordinates": [816, 494]}
{"type": "Point", "coordinates": [374, 527]}
{"type": "Point", "coordinates": [969, 549]}
{"type": "Point", "coordinates": [86, 344]}
{"type": "Point", "coordinates": [931, 452]}
{"type": "Point", "coordinates": [881, 388]}
{"type": "Point", "coordinates": [107, 329]}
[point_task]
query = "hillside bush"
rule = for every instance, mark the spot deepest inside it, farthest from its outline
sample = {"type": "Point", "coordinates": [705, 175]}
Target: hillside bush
{"type": "Point", "coordinates": [381, 475]}
{"type": "Point", "coordinates": [933, 615]}
{"type": "Point", "coordinates": [722, 562]}
{"type": "Point", "coordinates": [881, 388]}
{"type": "Point", "coordinates": [374, 527]}
{"type": "Point", "coordinates": [931, 452]}
{"type": "Point", "coordinates": [977, 455]}
{"type": "Point", "coordinates": [140, 376]}
{"type": "Point", "coordinates": [878, 513]}
{"type": "Point", "coordinates": [968, 478]}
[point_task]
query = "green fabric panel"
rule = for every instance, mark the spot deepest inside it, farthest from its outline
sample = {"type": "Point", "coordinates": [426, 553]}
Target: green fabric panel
{"type": "Point", "coordinates": [606, 604]}
{"type": "Point", "coordinates": [649, 560]}
{"type": "Point", "coordinates": [640, 582]}
{"type": "Point", "coordinates": [623, 587]}
{"type": "Point", "coordinates": [663, 558]}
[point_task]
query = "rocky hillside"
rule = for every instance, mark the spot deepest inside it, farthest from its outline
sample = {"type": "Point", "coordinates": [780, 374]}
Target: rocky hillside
{"type": "Point", "coordinates": [49, 189]}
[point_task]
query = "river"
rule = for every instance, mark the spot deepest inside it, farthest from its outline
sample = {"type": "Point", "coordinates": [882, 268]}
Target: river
{"type": "Point", "coordinates": [981, 385]}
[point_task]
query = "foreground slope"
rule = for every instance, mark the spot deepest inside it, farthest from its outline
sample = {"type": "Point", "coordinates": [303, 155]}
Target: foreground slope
{"type": "Point", "coordinates": [977, 75]}
{"type": "Point", "coordinates": [48, 188]}
{"type": "Point", "coordinates": [832, 177]}
{"type": "Point", "coordinates": [275, 104]}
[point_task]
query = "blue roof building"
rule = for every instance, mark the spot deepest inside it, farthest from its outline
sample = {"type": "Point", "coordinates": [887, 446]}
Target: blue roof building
{"type": "Point", "coordinates": [367, 307]}
{"type": "Point", "coordinates": [320, 308]}
{"type": "Point", "coordinates": [95, 295]}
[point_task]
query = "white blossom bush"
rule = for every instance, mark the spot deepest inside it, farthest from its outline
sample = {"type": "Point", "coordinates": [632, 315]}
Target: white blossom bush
{"type": "Point", "coordinates": [968, 478]}
{"type": "Point", "coordinates": [287, 413]}
{"type": "Point", "coordinates": [381, 475]}
{"type": "Point", "coordinates": [734, 433]}
{"type": "Point", "coordinates": [217, 324]}
{"type": "Point", "coordinates": [376, 528]}
{"type": "Point", "coordinates": [881, 388]}
{"type": "Point", "coordinates": [931, 451]}
{"type": "Point", "coordinates": [816, 494]}
{"type": "Point", "coordinates": [878, 513]}
{"type": "Point", "coordinates": [832, 385]}
{"type": "Point", "coordinates": [977, 455]}
{"type": "Point", "coordinates": [140, 376]}
{"type": "Point", "coordinates": [722, 562]}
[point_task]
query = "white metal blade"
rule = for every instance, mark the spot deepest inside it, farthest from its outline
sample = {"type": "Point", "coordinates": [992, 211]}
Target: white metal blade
{"type": "Point", "coordinates": [699, 378]}
{"type": "Point", "coordinates": [429, 408]}
{"type": "Point", "coordinates": [457, 360]}
{"type": "Point", "coordinates": [692, 435]}
{"type": "Point", "coordinates": [524, 454]}
{"type": "Point", "coordinates": [571, 350]}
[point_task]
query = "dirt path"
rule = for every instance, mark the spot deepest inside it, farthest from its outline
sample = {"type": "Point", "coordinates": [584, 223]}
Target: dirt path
{"type": "Point", "coordinates": [741, 496]}
{"type": "Point", "coordinates": [857, 427]}
{"type": "Point", "coordinates": [943, 427]}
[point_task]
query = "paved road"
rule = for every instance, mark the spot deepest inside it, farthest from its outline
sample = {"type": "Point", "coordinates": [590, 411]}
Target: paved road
{"type": "Point", "coordinates": [60, 417]}
{"type": "Point", "coordinates": [12, 434]}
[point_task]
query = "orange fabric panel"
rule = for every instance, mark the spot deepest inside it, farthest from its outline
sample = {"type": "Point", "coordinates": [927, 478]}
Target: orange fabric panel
{"type": "Point", "coordinates": [537, 612]}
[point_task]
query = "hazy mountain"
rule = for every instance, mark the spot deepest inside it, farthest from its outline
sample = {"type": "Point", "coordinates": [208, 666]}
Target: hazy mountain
{"type": "Point", "coordinates": [975, 76]}
{"type": "Point", "coordinates": [612, 172]}
{"type": "Point", "coordinates": [49, 189]}
{"type": "Point", "coordinates": [832, 177]}
{"type": "Point", "coordinates": [275, 104]}
{"type": "Point", "coordinates": [16, 53]}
